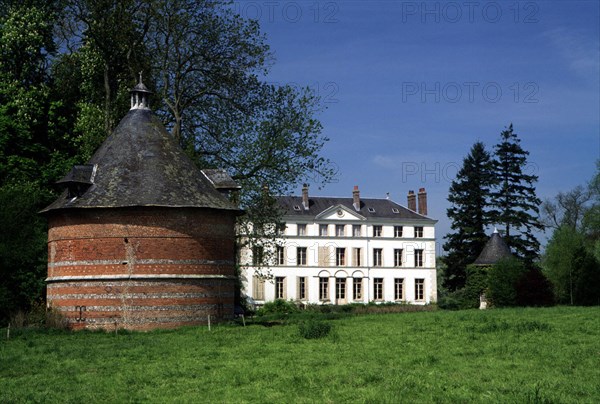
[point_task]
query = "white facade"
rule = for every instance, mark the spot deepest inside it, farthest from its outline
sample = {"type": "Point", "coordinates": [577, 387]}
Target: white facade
{"type": "Point", "coordinates": [382, 252]}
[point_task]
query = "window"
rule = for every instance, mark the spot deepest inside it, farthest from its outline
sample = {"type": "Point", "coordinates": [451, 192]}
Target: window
{"type": "Point", "coordinates": [339, 230]}
{"type": "Point", "coordinates": [258, 288]}
{"type": "Point", "coordinates": [377, 257]}
{"type": "Point", "coordinates": [357, 286]}
{"type": "Point", "coordinates": [418, 232]}
{"type": "Point", "coordinates": [281, 228]}
{"type": "Point", "coordinates": [302, 288]}
{"type": "Point", "coordinates": [378, 288]}
{"type": "Point", "coordinates": [340, 288]}
{"type": "Point", "coordinates": [280, 287]}
{"type": "Point", "coordinates": [301, 256]}
{"type": "Point", "coordinates": [302, 229]}
{"type": "Point", "coordinates": [398, 257]}
{"type": "Point", "coordinates": [377, 231]}
{"type": "Point", "coordinates": [418, 258]}
{"type": "Point", "coordinates": [395, 210]}
{"type": "Point", "coordinates": [323, 288]}
{"type": "Point", "coordinates": [419, 289]}
{"type": "Point", "coordinates": [397, 231]}
{"type": "Point", "coordinates": [297, 207]}
{"type": "Point", "coordinates": [356, 258]}
{"type": "Point", "coordinates": [323, 230]}
{"type": "Point", "coordinates": [340, 257]}
{"type": "Point", "coordinates": [356, 231]}
{"type": "Point", "coordinates": [398, 289]}
{"type": "Point", "coordinates": [280, 255]}
{"type": "Point", "coordinates": [257, 255]}
{"type": "Point", "coordinates": [372, 210]}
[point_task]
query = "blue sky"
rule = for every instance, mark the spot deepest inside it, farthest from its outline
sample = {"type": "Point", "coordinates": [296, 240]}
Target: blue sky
{"type": "Point", "coordinates": [410, 86]}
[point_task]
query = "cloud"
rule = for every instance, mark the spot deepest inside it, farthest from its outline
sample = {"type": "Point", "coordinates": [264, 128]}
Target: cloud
{"type": "Point", "coordinates": [580, 52]}
{"type": "Point", "coordinates": [385, 161]}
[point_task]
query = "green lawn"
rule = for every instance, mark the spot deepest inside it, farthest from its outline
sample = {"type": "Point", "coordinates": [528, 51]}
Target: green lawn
{"type": "Point", "coordinates": [511, 355]}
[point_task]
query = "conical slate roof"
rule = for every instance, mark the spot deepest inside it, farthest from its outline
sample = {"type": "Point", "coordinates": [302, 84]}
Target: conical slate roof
{"type": "Point", "coordinates": [140, 164]}
{"type": "Point", "coordinates": [495, 250]}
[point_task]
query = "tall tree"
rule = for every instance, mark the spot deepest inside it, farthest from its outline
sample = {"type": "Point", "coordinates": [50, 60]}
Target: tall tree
{"type": "Point", "coordinates": [469, 198]}
{"type": "Point", "coordinates": [567, 208]}
{"type": "Point", "coordinates": [515, 205]}
{"type": "Point", "coordinates": [572, 257]}
{"type": "Point", "coordinates": [27, 120]}
{"type": "Point", "coordinates": [25, 46]}
{"type": "Point", "coordinates": [207, 63]}
{"type": "Point", "coordinates": [105, 40]}
{"type": "Point", "coordinates": [571, 267]}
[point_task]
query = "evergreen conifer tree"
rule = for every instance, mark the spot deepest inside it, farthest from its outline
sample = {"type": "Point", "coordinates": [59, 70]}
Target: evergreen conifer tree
{"type": "Point", "coordinates": [469, 195]}
{"type": "Point", "coordinates": [514, 203]}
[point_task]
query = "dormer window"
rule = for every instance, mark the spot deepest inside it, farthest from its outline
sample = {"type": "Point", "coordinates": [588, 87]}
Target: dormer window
{"type": "Point", "coordinates": [297, 208]}
{"type": "Point", "coordinates": [372, 210]}
{"type": "Point", "coordinates": [395, 210]}
{"type": "Point", "coordinates": [78, 180]}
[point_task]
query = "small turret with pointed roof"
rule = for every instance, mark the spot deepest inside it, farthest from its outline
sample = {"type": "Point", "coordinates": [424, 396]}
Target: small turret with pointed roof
{"type": "Point", "coordinates": [495, 250]}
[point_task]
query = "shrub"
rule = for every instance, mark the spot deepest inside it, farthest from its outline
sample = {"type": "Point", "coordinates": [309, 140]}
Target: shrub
{"type": "Point", "coordinates": [476, 284]}
{"type": "Point", "coordinates": [534, 289]}
{"type": "Point", "coordinates": [39, 317]}
{"type": "Point", "coordinates": [277, 306]}
{"type": "Point", "coordinates": [587, 285]}
{"type": "Point", "coordinates": [502, 282]}
{"type": "Point", "coordinates": [56, 320]}
{"type": "Point", "coordinates": [314, 329]}
{"type": "Point", "coordinates": [453, 301]}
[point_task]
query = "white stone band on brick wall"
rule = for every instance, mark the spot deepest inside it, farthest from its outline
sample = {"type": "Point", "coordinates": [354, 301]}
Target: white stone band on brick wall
{"type": "Point", "coordinates": [139, 261]}
{"type": "Point", "coordinates": [133, 277]}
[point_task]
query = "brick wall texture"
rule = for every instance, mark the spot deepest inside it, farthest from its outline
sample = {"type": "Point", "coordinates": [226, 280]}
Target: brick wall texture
{"type": "Point", "coordinates": [141, 268]}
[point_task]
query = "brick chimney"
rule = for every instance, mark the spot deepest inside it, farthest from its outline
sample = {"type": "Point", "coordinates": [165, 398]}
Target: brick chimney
{"type": "Point", "coordinates": [422, 202]}
{"type": "Point", "coordinates": [305, 196]}
{"type": "Point", "coordinates": [412, 201]}
{"type": "Point", "coordinates": [356, 198]}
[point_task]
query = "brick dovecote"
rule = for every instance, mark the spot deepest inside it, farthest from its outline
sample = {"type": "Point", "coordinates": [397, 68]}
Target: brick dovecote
{"type": "Point", "coordinates": [141, 268]}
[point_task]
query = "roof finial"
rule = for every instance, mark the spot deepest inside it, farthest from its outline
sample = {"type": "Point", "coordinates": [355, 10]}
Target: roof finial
{"type": "Point", "coordinates": [139, 95]}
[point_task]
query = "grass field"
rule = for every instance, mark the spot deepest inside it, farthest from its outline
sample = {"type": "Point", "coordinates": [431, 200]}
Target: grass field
{"type": "Point", "coordinates": [511, 355]}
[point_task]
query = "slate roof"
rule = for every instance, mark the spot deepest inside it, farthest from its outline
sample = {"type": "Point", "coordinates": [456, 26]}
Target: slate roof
{"type": "Point", "coordinates": [141, 164]}
{"type": "Point", "coordinates": [383, 208]}
{"type": "Point", "coordinates": [495, 250]}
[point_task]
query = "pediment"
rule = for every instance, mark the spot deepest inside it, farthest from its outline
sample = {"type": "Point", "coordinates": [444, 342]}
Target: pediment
{"type": "Point", "coordinates": [339, 212]}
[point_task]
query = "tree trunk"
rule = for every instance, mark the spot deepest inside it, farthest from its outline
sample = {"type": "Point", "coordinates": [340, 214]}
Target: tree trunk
{"type": "Point", "coordinates": [107, 120]}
